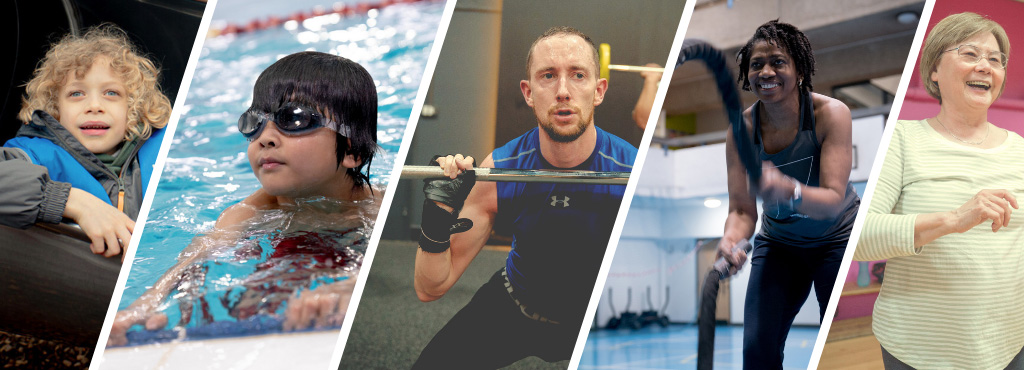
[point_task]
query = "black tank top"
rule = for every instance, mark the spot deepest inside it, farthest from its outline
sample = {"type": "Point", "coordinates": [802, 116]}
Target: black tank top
{"type": "Point", "coordinates": [801, 160]}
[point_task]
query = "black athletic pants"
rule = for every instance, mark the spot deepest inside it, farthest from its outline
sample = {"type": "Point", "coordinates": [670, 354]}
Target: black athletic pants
{"type": "Point", "coordinates": [492, 332]}
{"type": "Point", "coordinates": [781, 277]}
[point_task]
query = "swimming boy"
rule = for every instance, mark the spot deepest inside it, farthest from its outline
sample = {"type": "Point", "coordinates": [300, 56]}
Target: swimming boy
{"type": "Point", "coordinates": [93, 114]}
{"type": "Point", "coordinates": [312, 130]}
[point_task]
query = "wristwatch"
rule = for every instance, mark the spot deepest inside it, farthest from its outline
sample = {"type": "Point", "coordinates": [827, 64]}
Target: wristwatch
{"type": "Point", "coordinates": [797, 194]}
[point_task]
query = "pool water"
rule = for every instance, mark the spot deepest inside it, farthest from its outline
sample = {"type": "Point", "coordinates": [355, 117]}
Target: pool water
{"type": "Point", "coordinates": [207, 170]}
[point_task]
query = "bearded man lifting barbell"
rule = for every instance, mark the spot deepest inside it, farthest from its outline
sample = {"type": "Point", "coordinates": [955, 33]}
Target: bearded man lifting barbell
{"type": "Point", "coordinates": [534, 306]}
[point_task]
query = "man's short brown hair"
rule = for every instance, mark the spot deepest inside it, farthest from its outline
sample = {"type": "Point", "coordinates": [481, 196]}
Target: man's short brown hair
{"type": "Point", "coordinates": [562, 31]}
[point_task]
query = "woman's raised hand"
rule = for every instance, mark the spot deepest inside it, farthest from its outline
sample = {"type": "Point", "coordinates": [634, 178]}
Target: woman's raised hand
{"type": "Point", "coordinates": [988, 204]}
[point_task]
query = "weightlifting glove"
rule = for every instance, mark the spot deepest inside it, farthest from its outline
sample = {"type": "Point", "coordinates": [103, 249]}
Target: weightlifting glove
{"type": "Point", "coordinates": [451, 192]}
{"type": "Point", "coordinates": [437, 224]}
{"type": "Point", "coordinates": [437, 227]}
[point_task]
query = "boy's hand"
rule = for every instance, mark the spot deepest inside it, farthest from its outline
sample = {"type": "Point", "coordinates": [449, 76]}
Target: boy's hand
{"type": "Point", "coordinates": [109, 230]}
{"type": "Point", "coordinates": [127, 318]}
{"type": "Point", "coordinates": [320, 308]}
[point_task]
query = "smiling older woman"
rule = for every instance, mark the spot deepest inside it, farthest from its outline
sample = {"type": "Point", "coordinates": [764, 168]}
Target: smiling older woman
{"type": "Point", "coordinates": [941, 214]}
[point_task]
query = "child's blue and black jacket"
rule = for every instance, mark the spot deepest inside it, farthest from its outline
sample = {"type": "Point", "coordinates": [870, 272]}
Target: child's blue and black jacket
{"type": "Point", "coordinates": [39, 167]}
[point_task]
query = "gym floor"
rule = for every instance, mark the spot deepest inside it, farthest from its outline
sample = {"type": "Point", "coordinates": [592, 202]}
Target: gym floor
{"type": "Point", "coordinates": [391, 326]}
{"type": "Point", "coordinates": [675, 347]}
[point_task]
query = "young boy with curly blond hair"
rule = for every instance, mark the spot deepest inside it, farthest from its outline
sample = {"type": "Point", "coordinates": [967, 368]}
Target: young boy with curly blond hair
{"type": "Point", "coordinates": [93, 115]}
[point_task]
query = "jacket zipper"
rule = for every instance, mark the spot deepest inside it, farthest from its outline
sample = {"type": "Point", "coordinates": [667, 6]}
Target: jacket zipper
{"type": "Point", "coordinates": [82, 159]}
{"type": "Point", "coordinates": [120, 194]}
{"type": "Point", "coordinates": [120, 177]}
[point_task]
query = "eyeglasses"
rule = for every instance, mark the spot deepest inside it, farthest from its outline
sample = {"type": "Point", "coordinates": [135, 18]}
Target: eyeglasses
{"type": "Point", "coordinates": [291, 120]}
{"type": "Point", "coordinates": [971, 54]}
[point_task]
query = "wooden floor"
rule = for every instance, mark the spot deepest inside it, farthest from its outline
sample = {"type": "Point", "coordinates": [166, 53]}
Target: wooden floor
{"type": "Point", "coordinates": [862, 353]}
{"type": "Point", "coordinates": [851, 346]}
{"type": "Point", "coordinates": [849, 328]}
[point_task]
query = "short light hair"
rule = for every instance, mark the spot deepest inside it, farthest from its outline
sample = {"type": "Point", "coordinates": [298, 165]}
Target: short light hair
{"type": "Point", "coordinates": [562, 31]}
{"type": "Point", "coordinates": [948, 34]}
{"type": "Point", "coordinates": [148, 107]}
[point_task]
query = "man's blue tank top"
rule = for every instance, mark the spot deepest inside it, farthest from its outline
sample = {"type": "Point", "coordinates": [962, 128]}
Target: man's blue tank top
{"type": "Point", "coordinates": [801, 160]}
{"type": "Point", "coordinates": [560, 231]}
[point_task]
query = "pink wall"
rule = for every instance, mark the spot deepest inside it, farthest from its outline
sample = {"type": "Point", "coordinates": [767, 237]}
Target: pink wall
{"type": "Point", "coordinates": [1008, 111]}
{"type": "Point", "coordinates": [857, 305]}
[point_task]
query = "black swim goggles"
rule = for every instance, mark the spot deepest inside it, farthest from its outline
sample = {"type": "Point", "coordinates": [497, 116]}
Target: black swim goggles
{"type": "Point", "coordinates": [291, 120]}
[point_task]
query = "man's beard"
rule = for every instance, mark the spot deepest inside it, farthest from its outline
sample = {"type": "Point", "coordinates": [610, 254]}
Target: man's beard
{"type": "Point", "coordinates": [566, 137]}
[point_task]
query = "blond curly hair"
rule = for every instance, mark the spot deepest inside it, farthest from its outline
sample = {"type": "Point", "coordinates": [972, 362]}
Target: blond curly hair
{"type": "Point", "coordinates": [148, 107]}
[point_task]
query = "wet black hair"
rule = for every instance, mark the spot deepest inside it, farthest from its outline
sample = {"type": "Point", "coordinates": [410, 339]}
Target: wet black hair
{"type": "Point", "coordinates": [787, 37]}
{"type": "Point", "coordinates": [339, 88]}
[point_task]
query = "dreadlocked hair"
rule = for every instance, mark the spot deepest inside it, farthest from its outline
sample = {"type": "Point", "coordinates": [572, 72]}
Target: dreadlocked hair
{"type": "Point", "coordinates": [787, 37]}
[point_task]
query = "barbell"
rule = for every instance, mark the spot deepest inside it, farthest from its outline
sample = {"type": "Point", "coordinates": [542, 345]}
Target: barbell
{"type": "Point", "coordinates": [604, 62]}
{"type": "Point", "coordinates": [517, 175]}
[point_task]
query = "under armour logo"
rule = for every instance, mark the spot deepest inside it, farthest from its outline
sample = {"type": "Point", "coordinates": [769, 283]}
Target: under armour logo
{"type": "Point", "coordinates": [555, 201]}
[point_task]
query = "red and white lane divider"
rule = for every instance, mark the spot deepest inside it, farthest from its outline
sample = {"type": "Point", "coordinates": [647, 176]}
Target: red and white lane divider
{"type": "Point", "coordinates": [274, 21]}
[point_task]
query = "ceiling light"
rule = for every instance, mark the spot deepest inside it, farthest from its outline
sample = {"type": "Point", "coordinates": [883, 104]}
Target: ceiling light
{"type": "Point", "coordinates": [907, 18]}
